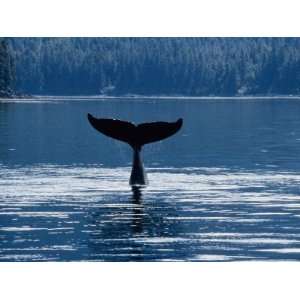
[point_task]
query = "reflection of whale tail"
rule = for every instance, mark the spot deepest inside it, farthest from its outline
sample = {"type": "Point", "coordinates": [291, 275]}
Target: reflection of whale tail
{"type": "Point", "coordinates": [136, 136]}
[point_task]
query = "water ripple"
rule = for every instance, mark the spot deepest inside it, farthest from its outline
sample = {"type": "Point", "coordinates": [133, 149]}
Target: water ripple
{"type": "Point", "coordinates": [52, 212]}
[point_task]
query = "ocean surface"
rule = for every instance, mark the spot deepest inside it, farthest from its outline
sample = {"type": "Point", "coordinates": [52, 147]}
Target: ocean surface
{"type": "Point", "coordinates": [225, 188]}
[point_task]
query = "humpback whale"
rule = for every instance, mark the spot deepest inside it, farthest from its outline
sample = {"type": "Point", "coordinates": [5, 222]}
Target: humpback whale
{"type": "Point", "coordinates": [136, 136]}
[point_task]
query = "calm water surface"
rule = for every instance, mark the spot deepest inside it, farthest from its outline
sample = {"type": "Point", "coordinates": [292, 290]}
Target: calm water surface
{"type": "Point", "coordinates": [226, 187]}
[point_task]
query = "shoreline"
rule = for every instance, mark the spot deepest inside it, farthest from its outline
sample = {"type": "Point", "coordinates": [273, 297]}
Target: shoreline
{"type": "Point", "coordinates": [41, 98]}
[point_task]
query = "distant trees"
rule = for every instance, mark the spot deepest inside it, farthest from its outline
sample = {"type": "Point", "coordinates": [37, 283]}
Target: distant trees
{"type": "Point", "coordinates": [6, 69]}
{"type": "Point", "coordinates": [183, 66]}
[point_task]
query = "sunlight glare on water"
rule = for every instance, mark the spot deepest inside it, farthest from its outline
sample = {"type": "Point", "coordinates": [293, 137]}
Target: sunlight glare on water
{"type": "Point", "coordinates": [224, 188]}
{"type": "Point", "coordinates": [51, 212]}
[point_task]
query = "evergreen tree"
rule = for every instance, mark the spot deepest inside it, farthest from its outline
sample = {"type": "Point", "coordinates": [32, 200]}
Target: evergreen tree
{"type": "Point", "coordinates": [6, 69]}
{"type": "Point", "coordinates": [182, 66]}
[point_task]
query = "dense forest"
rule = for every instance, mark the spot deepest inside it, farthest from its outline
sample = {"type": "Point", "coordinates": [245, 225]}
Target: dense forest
{"type": "Point", "coordinates": [7, 73]}
{"type": "Point", "coordinates": [156, 66]}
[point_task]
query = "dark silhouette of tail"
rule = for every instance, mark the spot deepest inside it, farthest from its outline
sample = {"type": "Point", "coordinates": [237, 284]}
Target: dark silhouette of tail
{"type": "Point", "coordinates": [135, 135]}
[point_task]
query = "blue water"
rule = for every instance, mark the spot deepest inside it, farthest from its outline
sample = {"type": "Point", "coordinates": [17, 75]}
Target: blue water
{"type": "Point", "coordinates": [226, 187]}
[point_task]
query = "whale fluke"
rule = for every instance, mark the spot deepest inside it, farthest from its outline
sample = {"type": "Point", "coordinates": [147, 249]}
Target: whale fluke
{"type": "Point", "coordinates": [136, 136]}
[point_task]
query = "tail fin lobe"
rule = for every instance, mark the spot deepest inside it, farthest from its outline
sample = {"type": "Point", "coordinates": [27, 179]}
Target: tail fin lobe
{"type": "Point", "coordinates": [135, 136]}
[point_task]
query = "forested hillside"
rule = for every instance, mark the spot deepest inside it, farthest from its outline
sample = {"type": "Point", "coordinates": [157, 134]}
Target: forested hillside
{"type": "Point", "coordinates": [6, 69]}
{"type": "Point", "coordinates": [157, 66]}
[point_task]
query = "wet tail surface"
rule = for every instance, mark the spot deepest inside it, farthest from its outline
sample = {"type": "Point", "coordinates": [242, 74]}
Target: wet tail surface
{"type": "Point", "coordinates": [138, 175]}
{"type": "Point", "coordinates": [135, 135]}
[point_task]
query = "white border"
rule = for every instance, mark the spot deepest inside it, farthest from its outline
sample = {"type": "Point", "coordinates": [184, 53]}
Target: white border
{"type": "Point", "coordinates": [149, 18]}
{"type": "Point", "coordinates": [149, 281]}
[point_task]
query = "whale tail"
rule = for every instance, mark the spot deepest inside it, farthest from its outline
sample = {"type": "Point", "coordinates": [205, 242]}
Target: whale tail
{"type": "Point", "coordinates": [136, 136]}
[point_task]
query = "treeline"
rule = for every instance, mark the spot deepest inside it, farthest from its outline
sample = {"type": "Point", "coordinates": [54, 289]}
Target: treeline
{"type": "Point", "coordinates": [7, 72]}
{"type": "Point", "coordinates": [170, 66]}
